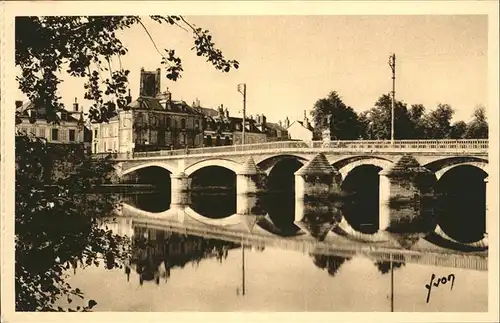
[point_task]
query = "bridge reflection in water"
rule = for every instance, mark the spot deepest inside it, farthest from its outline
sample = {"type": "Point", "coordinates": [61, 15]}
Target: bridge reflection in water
{"type": "Point", "coordinates": [253, 250]}
{"type": "Point", "coordinates": [182, 260]}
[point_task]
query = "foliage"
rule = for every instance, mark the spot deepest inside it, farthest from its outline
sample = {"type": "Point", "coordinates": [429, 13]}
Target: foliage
{"type": "Point", "coordinates": [343, 123]}
{"type": "Point", "coordinates": [378, 120]}
{"type": "Point", "coordinates": [478, 127]}
{"type": "Point", "coordinates": [458, 130]}
{"type": "Point", "coordinates": [437, 123]}
{"type": "Point", "coordinates": [54, 225]}
{"type": "Point", "coordinates": [412, 123]}
{"type": "Point", "coordinates": [85, 47]}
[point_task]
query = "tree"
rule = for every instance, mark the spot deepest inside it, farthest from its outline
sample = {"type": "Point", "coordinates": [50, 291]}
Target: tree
{"type": "Point", "coordinates": [55, 227]}
{"type": "Point", "coordinates": [437, 123]}
{"type": "Point", "coordinates": [478, 127]}
{"type": "Point", "coordinates": [458, 130]}
{"type": "Point", "coordinates": [344, 123]}
{"type": "Point", "coordinates": [379, 120]}
{"type": "Point", "coordinates": [87, 47]}
{"type": "Point", "coordinates": [58, 223]}
{"type": "Point", "coordinates": [416, 114]}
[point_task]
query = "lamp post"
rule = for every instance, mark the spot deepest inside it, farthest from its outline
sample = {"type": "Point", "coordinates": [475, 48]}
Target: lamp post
{"type": "Point", "coordinates": [392, 64]}
{"type": "Point", "coordinates": [242, 88]}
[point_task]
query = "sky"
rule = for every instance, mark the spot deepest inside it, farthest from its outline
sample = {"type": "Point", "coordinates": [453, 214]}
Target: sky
{"type": "Point", "coordinates": [289, 62]}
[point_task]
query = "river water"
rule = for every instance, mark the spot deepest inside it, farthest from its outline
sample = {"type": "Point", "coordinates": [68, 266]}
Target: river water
{"type": "Point", "coordinates": [201, 257]}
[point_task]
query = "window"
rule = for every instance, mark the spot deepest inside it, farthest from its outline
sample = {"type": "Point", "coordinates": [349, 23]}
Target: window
{"type": "Point", "coordinates": [63, 135]}
{"type": "Point", "coordinates": [95, 133]}
{"type": "Point", "coordinates": [71, 135]}
{"type": "Point", "coordinates": [154, 137]}
{"type": "Point", "coordinates": [197, 124]}
{"type": "Point", "coordinates": [168, 122]}
{"type": "Point", "coordinates": [55, 134]}
{"type": "Point", "coordinates": [42, 132]}
{"type": "Point", "coordinates": [183, 123]}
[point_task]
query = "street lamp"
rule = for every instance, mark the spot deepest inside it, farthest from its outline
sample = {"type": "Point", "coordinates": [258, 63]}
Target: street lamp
{"type": "Point", "coordinates": [242, 88]}
{"type": "Point", "coordinates": [392, 64]}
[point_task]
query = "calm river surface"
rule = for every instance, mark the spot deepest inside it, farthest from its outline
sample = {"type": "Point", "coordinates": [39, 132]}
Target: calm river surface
{"type": "Point", "coordinates": [191, 266]}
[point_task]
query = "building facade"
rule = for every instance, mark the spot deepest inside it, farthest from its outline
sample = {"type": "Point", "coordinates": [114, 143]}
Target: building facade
{"type": "Point", "coordinates": [301, 129]}
{"type": "Point", "coordinates": [221, 129]}
{"type": "Point", "coordinates": [70, 130]}
{"type": "Point", "coordinates": [276, 132]}
{"type": "Point", "coordinates": [152, 122]}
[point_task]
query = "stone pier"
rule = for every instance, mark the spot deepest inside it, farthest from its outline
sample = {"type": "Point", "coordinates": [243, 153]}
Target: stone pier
{"type": "Point", "coordinates": [180, 188]}
{"type": "Point", "coordinates": [250, 183]}
{"type": "Point", "coordinates": [317, 179]}
{"type": "Point", "coordinates": [406, 196]}
{"type": "Point", "coordinates": [250, 179]}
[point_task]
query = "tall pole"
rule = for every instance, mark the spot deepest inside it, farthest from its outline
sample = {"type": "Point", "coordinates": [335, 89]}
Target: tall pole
{"type": "Point", "coordinates": [242, 88]}
{"type": "Point", "coordinates": [243, 269]}
{"type": "Point", "coordinates": [392, 286]}
{"type": "Point", "coordinates": [392, 64]}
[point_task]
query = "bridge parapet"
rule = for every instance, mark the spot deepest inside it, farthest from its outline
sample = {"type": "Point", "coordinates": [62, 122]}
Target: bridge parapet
{"type": "Point", "coordinates": [464, 146]}
{"type": "Point", "coordinates": [461, 146]}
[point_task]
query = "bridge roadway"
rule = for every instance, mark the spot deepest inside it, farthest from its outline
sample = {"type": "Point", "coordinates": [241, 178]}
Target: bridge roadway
{"type": "Point", "coordinates": [344, 155]}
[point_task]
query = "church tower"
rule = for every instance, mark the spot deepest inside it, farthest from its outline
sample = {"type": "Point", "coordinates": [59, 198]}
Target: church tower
{"type": "Point", "coordinates": [150, 83]}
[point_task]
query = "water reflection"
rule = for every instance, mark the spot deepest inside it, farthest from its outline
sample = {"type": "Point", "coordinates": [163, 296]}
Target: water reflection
{"type": "Point", "coordinates": [155, 202]}
{"type": "Point", "coordinates": [384, 267]}
{"type": "Point", "coordinates": [280, 209]}
{"type": "Point", "coordinates": [318, 217]}
{"type": "Point", "coordinates": [280, 213]}
{"type": "Point", "coordinates": [331, 264]}
{"type": "Point", "coordinates": [213, 204]}
{"type": "Point", "coordinates": [155, 252]}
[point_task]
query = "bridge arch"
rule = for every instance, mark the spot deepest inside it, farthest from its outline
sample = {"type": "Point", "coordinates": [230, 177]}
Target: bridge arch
{"type": "Point", "coordinates": [160, 164]}
{"type": "Point", "coordinates": [478, 164]}
{"type": "Point", "coordinates": [268, 163]}
{"type": "Point", "coordinates": [347, 165]}
{"type": "Point", "coordinates": [224, 163]}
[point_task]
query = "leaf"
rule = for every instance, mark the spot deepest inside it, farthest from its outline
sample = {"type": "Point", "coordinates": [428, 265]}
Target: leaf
{"type": "Point", "coordinates": [91, 304]}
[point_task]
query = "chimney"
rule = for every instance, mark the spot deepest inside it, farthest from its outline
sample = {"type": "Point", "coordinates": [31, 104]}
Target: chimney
{"type": "Point", "coordinates": [227, 113]}
{"type": "Point", "coordinates": [305, 116]}
{"type": "Point", "coordinates": [19, 103]}
{"type": "Point", "coordinates": [287, 122]}
{"type": "Point", "coordinates": [158, 82]}
{"type": "Point", "coordinates": [75, 106]}
{"type": "Point", "coordinates": [279, 122]}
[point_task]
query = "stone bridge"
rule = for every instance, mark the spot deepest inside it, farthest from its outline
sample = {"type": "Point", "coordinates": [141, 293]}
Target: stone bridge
{"type": "Point", "coordinates": [438, 155]}
{"type": "Point", "coordinates": [402, 166]}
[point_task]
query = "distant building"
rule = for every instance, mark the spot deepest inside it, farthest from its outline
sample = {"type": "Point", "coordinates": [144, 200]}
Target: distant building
{"type": "Point", "coordinates": [70, 130]}
{"type": "Point", "coordinates": [301, 129]}
{"type": "Point", "coordinates": [276, 132]}
{"type": "Point", "coordinates": [220, 129]}
{"type": "Point", "coordinates": [153, 122]}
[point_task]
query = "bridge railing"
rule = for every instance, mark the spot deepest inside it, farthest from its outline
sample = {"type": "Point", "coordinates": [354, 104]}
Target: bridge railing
{"type": "Point", "coordinates": [223, 149]}
{"type": "Point", "coordinates": [446, 144]}
{"type": "Point", "coordinates": [341, 145]}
